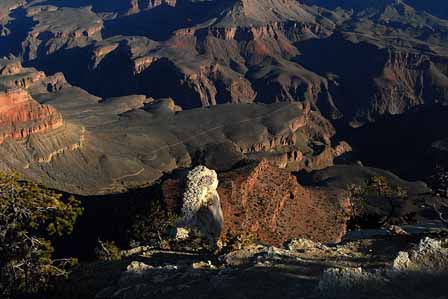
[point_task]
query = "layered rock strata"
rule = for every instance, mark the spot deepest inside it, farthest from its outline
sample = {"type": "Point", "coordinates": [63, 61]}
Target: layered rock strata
{"type": "Point", "coordinates": [21, 116]}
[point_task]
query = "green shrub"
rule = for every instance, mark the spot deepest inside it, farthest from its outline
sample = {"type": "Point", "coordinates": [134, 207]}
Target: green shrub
{"type": "Point", "coordinates": [153, 226]}
{"type": "Point", "coordinates": [30, 216]}
{"type": "Point", "coordinates": [377, 199]}
{"type": "Point", "coordinates": [107, 251]}
{"type": "Point", "coordinates": [232, 240]}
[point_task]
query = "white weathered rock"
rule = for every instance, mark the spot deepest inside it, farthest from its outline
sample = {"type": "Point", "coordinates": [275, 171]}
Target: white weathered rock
{"type": "Point", "coordinates": [304, 244]}
{"type": "Point", "coordinates": [402, 261]}
{"type": "Point", "coordinates": [429, 256]}
{"type": "Point", "coordinates": [201, 206]}
{"type": "Point", "coordinates": [138, 267]}
{"type": "Point", "coordinates": [348, 279]}
{"type": "Point", "coordinates": [200, 189]}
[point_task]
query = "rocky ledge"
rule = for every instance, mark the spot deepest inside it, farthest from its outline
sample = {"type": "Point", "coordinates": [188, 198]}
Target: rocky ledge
{"type": "Point", "coordinates": [399, 267]}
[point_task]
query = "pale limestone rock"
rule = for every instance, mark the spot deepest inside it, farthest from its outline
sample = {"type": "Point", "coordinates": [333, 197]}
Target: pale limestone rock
{"type": "Point", "coordinates": [201, 207]}
{"type": "Point", "coordinates": [430, 256]}
{"type": "Point", "coordinates": [200, 189]}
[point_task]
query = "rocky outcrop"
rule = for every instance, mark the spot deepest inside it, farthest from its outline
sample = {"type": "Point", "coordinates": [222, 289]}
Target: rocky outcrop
{"type": "Point", "coordinates": [201, 206]}
{"type": "Point", "coordinates": [21, 116]}
{"type": "Point", "coordinates": [401, 204]}
{"type": "Point", "coordinates": [265, 201]}
{"type": "Point", "coordinates": [422, 264]}
{"type": "Point", "coordinates": [8, 67]}
{"type": "Point", "coordinates": [269, 202]}
{"type": "Point", "coordinates": [422, 258]}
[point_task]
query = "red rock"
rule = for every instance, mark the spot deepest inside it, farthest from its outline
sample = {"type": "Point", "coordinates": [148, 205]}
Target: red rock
{"type": "Point", "coordinates": [21, 115]}
{"type": "Point", "coordinates": [172, 190]}
{"type": "Point", "coordinates": [269, 202]}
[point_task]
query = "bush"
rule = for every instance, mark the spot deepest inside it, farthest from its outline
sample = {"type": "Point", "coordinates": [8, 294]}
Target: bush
{"type": "Point", "coordinates": [233, 240]}
{"type": "Point", "coordinates": [153, 226]}
{"type": "Point", "coordinates": [30, 215]}
{"type": "Point", "coordinates": [378, 201]}
{"type": "Point", "coordinates": [107, 251]}
{"type": "Point", "coordinates": [157, 227]}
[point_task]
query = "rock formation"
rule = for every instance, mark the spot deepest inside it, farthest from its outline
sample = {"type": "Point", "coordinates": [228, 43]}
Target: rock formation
{"type": "Point", "coordinates": [269, 202]}
{"type": "Point", "coordinates": [265, 201]}
{"type": "Point", "coordinates": [420, 258]}
{"type": "Point", "coordinates": [373, 209]}
{"type": "Point", "coordinates": [21, 116]}
{"type": "Point", "coordinates": [201, 206]}
{"type": "Point", "coordinates": [425, 262]}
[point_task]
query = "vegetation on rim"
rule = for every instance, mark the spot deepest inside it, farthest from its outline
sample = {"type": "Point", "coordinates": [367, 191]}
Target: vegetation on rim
{"type": "Point", "coordinates": [31, 216]}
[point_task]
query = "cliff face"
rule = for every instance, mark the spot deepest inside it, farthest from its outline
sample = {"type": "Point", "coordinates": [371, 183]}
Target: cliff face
{"type": "Point", "coordinates": [21, 116]}
{"type": "Point", "coordinates": [358, 62]}
{"type": "Point", "coordinates": [397, 79]}
{"type": "Point", "coordinates": [223, 52]}
{"type": "Point", "coordinates": [59, 28]}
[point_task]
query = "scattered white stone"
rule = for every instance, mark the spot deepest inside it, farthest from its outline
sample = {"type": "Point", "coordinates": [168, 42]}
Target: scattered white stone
{"type": "Point", "coordinates": [304, 244]}
{"type": "Point", "coordinates": [136, 267]}
{"type": "Point", "coordinates": [203, 265]}
{"type": "Point", "coordinates": [428, 244]}
{"type": "Point", "coordinates": [182, 233]}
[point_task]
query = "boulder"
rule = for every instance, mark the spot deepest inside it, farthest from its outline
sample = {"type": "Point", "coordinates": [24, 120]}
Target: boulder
{"type": "Point", "coordinates": [201, 208]}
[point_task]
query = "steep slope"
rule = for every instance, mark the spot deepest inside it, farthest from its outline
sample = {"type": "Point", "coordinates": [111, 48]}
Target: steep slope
{"type": "Point", "coordinates": [394, 59]}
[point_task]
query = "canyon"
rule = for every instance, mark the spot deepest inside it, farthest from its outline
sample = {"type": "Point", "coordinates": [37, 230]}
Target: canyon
{"type": "Point", "coordinates": [325, 123]}
{"type": "Point", "coordinates": [99, 98]}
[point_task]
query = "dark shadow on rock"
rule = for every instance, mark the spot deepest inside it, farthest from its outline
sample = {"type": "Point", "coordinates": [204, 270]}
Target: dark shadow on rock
{"type": "Point", "coordinates": [400, 143]}
{"type": "Point", "coordinates": [19, 26]}
{"type": "Point", "coordinates": [107, 218]}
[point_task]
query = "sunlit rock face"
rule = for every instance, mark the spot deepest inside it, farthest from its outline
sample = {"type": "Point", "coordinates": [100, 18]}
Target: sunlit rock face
{"type": "Point", "coordinates": [21, 115]}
